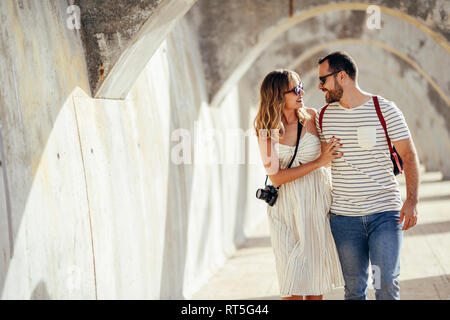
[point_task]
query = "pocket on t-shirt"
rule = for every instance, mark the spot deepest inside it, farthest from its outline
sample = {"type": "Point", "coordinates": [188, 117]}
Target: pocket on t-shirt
{"type": "Point", "coordinates": [367, 137]}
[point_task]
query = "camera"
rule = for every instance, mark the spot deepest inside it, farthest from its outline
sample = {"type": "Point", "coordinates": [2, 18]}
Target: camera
{"type": "Point", "coordinates": [268, 194]}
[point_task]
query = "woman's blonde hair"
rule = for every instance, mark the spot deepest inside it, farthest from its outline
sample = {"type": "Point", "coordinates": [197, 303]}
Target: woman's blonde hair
{"type": "Point", "coordinates": [271, 104]}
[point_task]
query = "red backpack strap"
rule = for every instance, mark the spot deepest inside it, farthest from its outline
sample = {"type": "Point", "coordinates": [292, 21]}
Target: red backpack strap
{"type": "Point", "coordinates": [321, 116]}
{"type": "Point", "coordinates": [383, 123]}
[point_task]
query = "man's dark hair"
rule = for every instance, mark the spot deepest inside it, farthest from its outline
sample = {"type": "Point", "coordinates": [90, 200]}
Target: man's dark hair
{"type": "Point", "coordinates": [341, 60]}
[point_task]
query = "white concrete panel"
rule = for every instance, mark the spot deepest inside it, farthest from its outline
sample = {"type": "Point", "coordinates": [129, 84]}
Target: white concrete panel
{"type": "Point", "coordinates": [145, 43]}
{"type": "Point", "coordinates": [122, 196]}
{"type": "Point", "coordinates": [4, 223]}
{"type": "Point", "coordinates": [41, 62]}
{"type": "Point", "coordinates": [52, 254]}
{"type": "Point", "coordinates": [126, 152]}
{"type": "Point", "coordinates": [115, 217]}
{"type": "Point", "coordinates": [161, 228]}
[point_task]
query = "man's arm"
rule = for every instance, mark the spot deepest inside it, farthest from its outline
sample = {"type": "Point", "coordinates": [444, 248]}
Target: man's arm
{"type": "Point", "coordinates": [407, 152]}
{"type": "Point", "coordinates": [323, 143]}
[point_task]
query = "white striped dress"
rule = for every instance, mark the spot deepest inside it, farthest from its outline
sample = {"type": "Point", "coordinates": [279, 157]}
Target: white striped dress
{"type": "Point", "coordinates": [307, 262]}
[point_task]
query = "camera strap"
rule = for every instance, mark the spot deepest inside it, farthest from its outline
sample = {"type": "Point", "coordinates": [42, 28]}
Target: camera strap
{"type": "Point", "coordinates": [299, 131]}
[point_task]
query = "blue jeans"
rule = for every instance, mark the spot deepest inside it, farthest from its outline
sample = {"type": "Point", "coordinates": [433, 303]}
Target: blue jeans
{"type": "Point", "coordinates": [377, 237]}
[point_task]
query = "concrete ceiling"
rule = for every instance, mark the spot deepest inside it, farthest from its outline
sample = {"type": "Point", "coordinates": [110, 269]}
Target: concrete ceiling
{"type": "Point", "coordinates": [242, 40]}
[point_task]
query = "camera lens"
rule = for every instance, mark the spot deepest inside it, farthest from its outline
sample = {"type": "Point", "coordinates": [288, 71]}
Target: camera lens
{"type": "Point", "coordinates": [260, 194]}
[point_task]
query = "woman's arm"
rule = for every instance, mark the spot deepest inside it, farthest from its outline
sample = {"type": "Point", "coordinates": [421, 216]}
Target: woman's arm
{"type": "Point", "coordinates": [291, 174]}
{"type": "Point", "coordinates": [280, 176]}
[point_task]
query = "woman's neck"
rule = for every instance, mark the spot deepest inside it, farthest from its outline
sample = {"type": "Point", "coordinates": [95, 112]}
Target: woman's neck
{"type": "Point", "coordinates": [290, 116]}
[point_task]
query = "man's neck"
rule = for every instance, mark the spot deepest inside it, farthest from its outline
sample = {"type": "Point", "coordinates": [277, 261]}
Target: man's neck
{"type": "Point", "coordinates": [354, 97]}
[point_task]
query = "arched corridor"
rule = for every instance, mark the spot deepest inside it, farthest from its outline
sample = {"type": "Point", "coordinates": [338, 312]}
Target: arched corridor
{"type": "Point", "coordinates": [128, 161]}
{"type": "Point", "coordinates": [250, 273]}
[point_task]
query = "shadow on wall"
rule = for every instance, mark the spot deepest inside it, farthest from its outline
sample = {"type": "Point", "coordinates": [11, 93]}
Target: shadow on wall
{"type": "Point", "coordinates": [40, 292]}
{"type": "Point", "coordinates": [35, 88]}
{"type": "Point", "coordinates": [43, 85]}
{"type": "Point", "coordinates": [179, 188]}
{"type": "Point", "coordinates": [185, 105]}
{"type": "Point", "coordinates": [245, 102]}
{"type": "Point", "coordinates": [205, 216]}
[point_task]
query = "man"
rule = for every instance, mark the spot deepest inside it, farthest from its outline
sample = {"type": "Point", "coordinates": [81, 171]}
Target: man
{"type": "Point", "coordinates": [367, 212]}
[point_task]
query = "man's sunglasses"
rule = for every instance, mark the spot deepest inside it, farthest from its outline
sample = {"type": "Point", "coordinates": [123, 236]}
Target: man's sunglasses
{"type": "Point", "coordinates": [296, 89]}
{"type": "Point", "coordinates": [324, 78]}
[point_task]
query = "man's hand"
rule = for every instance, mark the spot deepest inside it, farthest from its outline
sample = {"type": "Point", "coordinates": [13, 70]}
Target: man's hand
{"type": "Point", "coordinates": [329, 152]}
{"type": "Point", "coordinates": [323, 147]}
{"type": "Point", "coordinates": [407, 152]}
{"type": "Point", "coordinates": [408, 214]}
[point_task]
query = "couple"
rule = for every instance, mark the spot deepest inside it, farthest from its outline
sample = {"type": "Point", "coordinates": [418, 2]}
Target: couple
{"type": "Point", "coordinates": [325, 228]}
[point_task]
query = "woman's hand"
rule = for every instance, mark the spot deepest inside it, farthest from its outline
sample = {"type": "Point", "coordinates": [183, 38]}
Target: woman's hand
{"type": "Point", "coordinates": [329, 152]}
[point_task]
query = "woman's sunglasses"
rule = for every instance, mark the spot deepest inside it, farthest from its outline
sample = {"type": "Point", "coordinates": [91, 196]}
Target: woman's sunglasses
{"type": "Point", "coordinates": [296, 89]}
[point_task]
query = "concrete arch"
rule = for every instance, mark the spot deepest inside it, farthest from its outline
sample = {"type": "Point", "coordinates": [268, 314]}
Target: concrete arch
{"type": "Point", "coordinates": [433, 144]}
{"type": "Point", "coordinates": [398, 53]}
{"type": "Point", "coordinates": [267, 36]}
{"type": "Point", "coordinates": [120, 38]}
{"type": "Point", "coordinates": [317, 49]}
{"type": "Point", "coordinates": [421, 136]}
{"type": "Point", "coordinates": [282, 49]}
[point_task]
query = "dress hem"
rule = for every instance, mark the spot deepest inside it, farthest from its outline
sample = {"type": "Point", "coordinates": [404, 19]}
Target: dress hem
{"type": "Point", "coordinates": [312, 293]}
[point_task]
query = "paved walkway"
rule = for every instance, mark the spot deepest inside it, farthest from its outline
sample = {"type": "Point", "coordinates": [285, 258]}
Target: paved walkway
{"type": "Point", "coordinates": [425, 259]}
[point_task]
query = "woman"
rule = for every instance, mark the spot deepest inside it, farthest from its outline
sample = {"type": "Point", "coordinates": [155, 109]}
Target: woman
{"type": "Point", "coordinates": [307, 262]}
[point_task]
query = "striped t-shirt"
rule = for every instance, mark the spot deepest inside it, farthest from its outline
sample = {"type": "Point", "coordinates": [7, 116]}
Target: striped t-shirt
{"type": "Point", "coordinates": [363, 178]}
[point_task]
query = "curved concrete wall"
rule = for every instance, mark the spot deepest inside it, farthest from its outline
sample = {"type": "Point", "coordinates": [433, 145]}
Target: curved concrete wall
{"type": "Point", "coordinates": [94, 202]}
{"type": "Point", "coordinates": [387, 68]}
{"type": "Point", "coordinates": [92, 206]}
{"type": "Point", "coordinates": [120, 37]}
{"type": "Point", "coordinates": [246, 29]}
{"type": "Point", "coordinates": [47, 215]}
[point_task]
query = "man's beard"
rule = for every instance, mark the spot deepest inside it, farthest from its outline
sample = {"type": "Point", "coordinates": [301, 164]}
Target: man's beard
{"type": "Point", "coordinates": [334, 95]}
